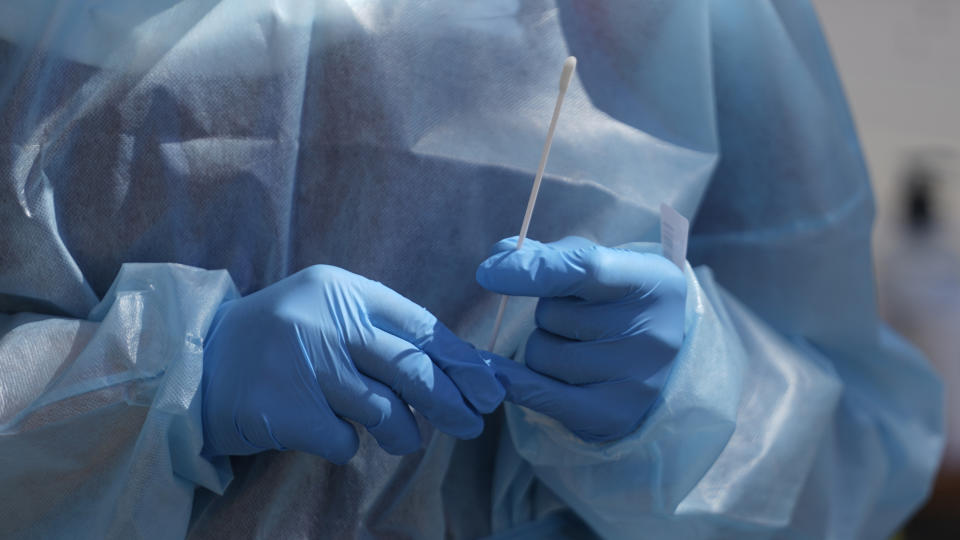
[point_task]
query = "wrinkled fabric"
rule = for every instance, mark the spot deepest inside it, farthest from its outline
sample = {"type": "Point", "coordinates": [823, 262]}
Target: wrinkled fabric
{"type": "Point", "coordinates": [398, 140]}
{"type": "Point", "coordinates": [100, 432]}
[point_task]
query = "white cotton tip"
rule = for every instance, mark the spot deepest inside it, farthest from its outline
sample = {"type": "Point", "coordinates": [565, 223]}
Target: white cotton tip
{"type": "Point", "coordinates": [569, 65]}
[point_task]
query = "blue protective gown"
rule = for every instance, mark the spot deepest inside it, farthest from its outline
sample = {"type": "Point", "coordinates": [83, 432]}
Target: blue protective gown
{"type": "Point", "coordinates": [145, 148]}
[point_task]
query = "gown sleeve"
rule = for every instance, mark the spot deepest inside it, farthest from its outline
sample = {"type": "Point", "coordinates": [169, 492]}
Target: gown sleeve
{"type": "Point", "coordinates": [100, 432]}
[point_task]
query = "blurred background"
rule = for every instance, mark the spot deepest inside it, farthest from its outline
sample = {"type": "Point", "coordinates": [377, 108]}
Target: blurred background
{"type": "Point", "coordinates": [899, 64]}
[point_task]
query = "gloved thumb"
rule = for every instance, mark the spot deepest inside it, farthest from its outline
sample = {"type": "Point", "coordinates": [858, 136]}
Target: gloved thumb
{"type": "Point", "coordinates": [531, 389]}
{"type": "Point", "coordinates": [593, 416]}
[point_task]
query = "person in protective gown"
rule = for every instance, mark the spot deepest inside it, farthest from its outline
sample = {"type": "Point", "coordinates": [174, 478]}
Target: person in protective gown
{"type": "Point", "coordinates": [220, 221]}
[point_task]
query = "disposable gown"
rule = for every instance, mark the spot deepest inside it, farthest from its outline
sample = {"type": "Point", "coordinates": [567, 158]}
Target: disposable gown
{"type": "Point", "coordinates": [159, 157]}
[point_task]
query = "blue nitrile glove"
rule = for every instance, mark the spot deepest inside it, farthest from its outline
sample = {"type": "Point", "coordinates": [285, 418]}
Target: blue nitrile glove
{"type": "Point", "coordinates": [284, 366]}
{"type": "Point", "coordinates": [609, 323]}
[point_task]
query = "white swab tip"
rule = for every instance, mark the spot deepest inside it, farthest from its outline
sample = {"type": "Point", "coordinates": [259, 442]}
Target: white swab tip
{"type": "Point", "coordinates": [569, 65]}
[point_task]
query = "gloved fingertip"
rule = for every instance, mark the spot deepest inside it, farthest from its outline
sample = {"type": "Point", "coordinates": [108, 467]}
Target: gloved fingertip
{"type": "Point", "coordinates": [407, 445]}
{"type": "Point", "coordinates": [473, 432]}
{"type": "Point", "coordinates": [341, 446]}
{"type": "Point", "coordinates": [481, 275]}
{"type": "Point", "coordinates": [505, 265]}
{"type": "Point", "coordinates": [465, 428]}
{"type": "Point", "coordinates": [488, 274]}
{"type": "Point", "coordinates": [486, 402]}
{"type": "Point", "coordinates": [485, 392]}
{"type": "Point", "coordinates": [340, 456]}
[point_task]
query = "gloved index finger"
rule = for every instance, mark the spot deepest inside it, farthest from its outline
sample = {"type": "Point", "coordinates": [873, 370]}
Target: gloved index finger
{"type": "Point", "coordinates": [571, 268]}
{"type": "Point", "coordinates": [394, 313]}
{"type": "Point", "coordinates": [569, 242]}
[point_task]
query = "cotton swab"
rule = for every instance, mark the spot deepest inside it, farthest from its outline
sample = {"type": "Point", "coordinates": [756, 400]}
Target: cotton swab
{"type": "Point", "coordinates": [568, 67]}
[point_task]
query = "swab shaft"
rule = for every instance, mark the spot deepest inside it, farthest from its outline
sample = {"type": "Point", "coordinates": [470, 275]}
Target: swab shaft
{"type": "Point", "coordinates": [532, 201]}
{"type": "Point", "coordinates": [496, 325]}
{"type": "Point", "coordinates": [566, 74]}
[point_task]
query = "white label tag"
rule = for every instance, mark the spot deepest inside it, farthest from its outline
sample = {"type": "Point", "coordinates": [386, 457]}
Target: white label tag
{"type": "Point", "coordinates": [674, 229]}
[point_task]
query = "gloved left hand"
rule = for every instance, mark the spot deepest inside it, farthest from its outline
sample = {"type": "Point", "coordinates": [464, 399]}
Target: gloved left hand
{"type": "Point", "coordinates": [284, 366]}
{"type": "Point", "coordinates": [609, 324]}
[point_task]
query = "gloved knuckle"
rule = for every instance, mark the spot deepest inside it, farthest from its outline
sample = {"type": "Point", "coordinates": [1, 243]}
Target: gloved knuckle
{"type": "Point", "coordinates": [283, 323]}
{"type": "Point", "coordinates": [595, 261]}
{"type": "Point", "coordinates": [319, 273]}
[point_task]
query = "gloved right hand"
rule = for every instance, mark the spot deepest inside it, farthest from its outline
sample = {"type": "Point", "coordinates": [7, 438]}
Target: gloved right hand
{"type": "Point", "coordinates": [284, 366]}
{"type": "Point", "coordinates": [609, 324]}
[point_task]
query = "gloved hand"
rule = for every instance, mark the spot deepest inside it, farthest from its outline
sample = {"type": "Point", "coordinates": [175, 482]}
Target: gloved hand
{"type": "Point", "coordinates": [610, 322]}
{"type": "Point", "coordinates": [284, 366]}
